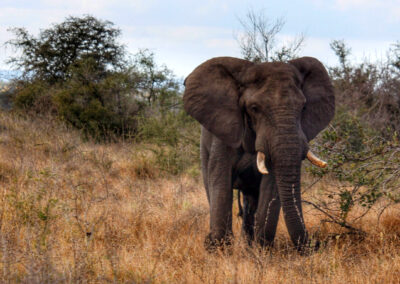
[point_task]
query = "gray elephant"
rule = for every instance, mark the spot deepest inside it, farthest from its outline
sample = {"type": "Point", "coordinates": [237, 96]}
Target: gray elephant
{"type": "Point", "coordinates": [257, 120]}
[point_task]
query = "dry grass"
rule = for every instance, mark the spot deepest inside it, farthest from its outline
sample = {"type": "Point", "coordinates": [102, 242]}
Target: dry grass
{"type": "Point", "coordinates": [78, 212]}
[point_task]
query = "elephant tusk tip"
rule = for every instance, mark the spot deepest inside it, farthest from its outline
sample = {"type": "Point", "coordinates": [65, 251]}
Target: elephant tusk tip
{"type": "Point", "coordinates": [261, 163]}
{"type": "Point", "coordinates": [322, 164]}
{"type": "Point", "coordinates": [315, 160]}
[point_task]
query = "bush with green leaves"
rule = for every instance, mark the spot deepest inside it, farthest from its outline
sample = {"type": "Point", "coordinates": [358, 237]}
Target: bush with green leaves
{"type": "Point", "coordinates": [99, 105]}
{"type": "Point", "coordinates": [370, 91]}
{"type": "Point", "coordinates": [33, 95]}
{"type": "Point", "coordinates": [361, 144]}
{"type": "Point", "coordinates": [174, 138]}
{"type": "Point", "coordinates": [50, 55]}
{"type": "Point", "coordinates": [77, 71]}
{"type": "Point", "coordinates": [364, 168]}
{"type": "Point", "coordinates": [156, 85]}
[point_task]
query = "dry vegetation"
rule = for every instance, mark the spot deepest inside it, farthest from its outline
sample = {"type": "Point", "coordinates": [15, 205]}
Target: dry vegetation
{"type": "Point", "coordinates": [74, 211]}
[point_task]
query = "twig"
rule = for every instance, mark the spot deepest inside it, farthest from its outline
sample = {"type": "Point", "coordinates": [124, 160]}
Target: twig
{"type": "Point", "coordinates": [334, 220]}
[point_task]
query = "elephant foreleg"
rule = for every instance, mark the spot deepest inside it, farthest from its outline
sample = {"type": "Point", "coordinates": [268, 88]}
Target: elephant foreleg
{"type": "Point", "coordinates": [204, 155]}
{"type": "Point", "coordinates": [220, 192]}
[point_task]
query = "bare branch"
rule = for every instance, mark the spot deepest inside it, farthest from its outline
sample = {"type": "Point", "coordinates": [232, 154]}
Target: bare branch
{"type": "Point", "coordinates": [258, 42]}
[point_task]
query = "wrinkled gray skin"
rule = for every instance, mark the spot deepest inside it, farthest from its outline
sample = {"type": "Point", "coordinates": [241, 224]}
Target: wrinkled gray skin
{"type": "Point", "coordinates": [244, 108]}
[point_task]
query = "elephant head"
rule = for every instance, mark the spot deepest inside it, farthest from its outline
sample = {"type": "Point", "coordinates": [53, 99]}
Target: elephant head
{"type": "Point", "coordinates": [273, 109]}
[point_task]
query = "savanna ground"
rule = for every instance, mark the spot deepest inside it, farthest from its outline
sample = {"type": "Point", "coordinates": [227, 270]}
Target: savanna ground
{"type": "Point", "coordinates": [78, 212]}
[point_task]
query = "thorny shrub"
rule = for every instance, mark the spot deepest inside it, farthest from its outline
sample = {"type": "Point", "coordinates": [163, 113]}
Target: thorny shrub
{"type": "Point", "coordinates": [361, 144]}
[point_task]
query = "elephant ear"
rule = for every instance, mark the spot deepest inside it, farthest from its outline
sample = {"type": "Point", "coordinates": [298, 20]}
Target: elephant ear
{"type": "Point", "coordinates": [212, 97]}
{"type": "Point", "coordinates": [318, 90]}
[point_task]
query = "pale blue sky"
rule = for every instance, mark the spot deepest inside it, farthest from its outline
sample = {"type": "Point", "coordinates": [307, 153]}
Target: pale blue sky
{"type": "Point", "coordinates": [184, 33]}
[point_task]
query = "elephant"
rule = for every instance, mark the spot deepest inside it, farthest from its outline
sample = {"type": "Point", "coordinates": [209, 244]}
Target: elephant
{"type": "Point", "coordinates": [257, 120]}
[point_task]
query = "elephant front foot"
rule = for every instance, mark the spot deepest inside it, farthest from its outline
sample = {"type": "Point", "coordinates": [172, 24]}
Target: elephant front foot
{"type": "Point", "coordinates": [265, 242]}
{"type": "Point", "coordinates": [213, 244]}
{"type": "Point", "coordinates": [310, 247]}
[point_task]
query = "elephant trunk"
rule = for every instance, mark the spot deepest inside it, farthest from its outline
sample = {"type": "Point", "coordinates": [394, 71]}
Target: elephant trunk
{"type": "Point", "coordinates": [287, 169]}
{"type": "Point", "coordinates": [288, 183]}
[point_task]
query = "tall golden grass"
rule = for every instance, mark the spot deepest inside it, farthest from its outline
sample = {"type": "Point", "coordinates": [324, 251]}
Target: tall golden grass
{"type": "Point", "coordinates": [78, 212]}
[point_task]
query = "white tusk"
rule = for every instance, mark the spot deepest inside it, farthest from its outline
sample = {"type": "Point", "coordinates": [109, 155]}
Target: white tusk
{"type": "Point", "coordinates": [315, 160]}
{"type": "Point", "coordinates": [261, 163]}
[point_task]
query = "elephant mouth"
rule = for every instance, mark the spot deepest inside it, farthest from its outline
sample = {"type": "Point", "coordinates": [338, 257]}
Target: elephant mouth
{"type": "Point", "coordinates": [310, 156]}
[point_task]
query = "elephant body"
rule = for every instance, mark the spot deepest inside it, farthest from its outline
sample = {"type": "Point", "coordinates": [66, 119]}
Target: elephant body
{"type": "Point", "coordinates": [240, 173]}
{"type": "Point", "coordinates": [248, 111]}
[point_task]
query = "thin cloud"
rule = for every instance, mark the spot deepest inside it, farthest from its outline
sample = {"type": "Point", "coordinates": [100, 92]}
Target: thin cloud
{"type": "Point", "coordinates": [185, 33]}
{"type": "Point", "coordinates": [349, 4]}
{"type": "Point", "coordinates": [389, 7]}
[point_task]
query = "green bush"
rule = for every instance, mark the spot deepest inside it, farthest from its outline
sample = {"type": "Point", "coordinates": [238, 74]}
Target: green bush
{"type": "Point", "coordinates": [79, 72]}
{"type": "Point", "coordinates": [32, 95]}
{"type": "Point", "coordinates": [365, 163]}
{"type": "Point", "coordinates": [98, 104]}
{"type": "Point", "coordinates": [173, 137]}
{"type": "Point", "coordinates": [368, 90]}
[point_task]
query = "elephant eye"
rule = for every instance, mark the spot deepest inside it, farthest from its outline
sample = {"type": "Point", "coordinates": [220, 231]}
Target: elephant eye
{"type": "Point", "coordinates": [254, 109]}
